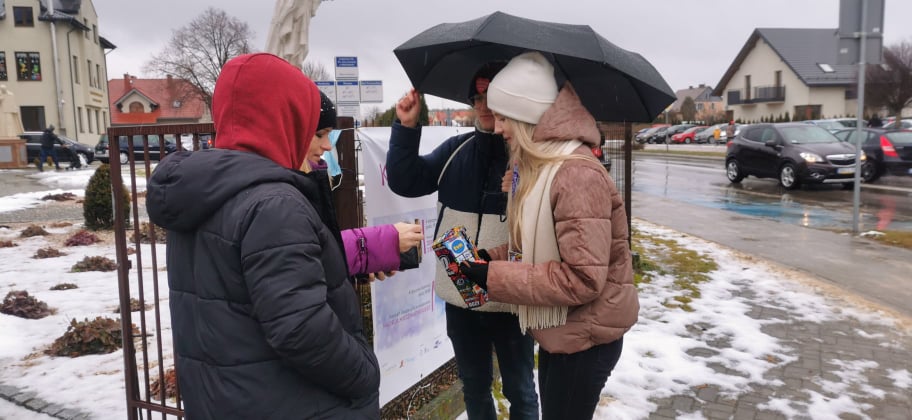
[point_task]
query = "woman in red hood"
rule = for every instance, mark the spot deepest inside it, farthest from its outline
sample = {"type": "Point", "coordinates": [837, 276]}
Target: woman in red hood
{"type": "Point", "coordinates": [265, 321]}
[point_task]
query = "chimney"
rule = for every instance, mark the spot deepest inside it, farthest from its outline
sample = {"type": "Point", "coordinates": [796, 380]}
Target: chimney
{"type": "Point", "coordinates": [690, 87]}
{"type": "Point", "coordinates": [702, 85]}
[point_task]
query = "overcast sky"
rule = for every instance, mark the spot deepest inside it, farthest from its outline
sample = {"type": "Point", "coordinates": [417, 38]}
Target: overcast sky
{"type": "Point", "coordinates": [689, 42]}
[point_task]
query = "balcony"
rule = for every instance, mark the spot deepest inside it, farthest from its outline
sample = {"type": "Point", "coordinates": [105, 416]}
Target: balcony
{"type": "Point", "coordinates": [760, 94]}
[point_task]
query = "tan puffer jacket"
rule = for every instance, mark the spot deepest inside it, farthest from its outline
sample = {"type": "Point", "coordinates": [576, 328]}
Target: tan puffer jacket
{"type": "Point", "coordinates": [595, 276]}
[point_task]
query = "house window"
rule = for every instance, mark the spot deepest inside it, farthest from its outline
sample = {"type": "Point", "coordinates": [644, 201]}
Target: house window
{"type": "Point", "coordinates": [826, 68]}
{"type": "Point", "coordinates": [85, 22]}
{"type": "Point", "coordinates": [76, 69]}
{"type": "Point", "coordinates": [747, 87]}
{"type": "Point", "coordinates": [3, 75]}
{"type": "Point", "coordinates": [98, 76]}
{"type": "Point", "coordinates": [95, 33]}
{"type": "Point", "coordinates": [22, 16]}
{"type": "Point", "coordinates": [33, 118]}
{"type": "Point", "coordinates": [28, 66]}
{"type": "Point", "coordinates": [136, 108]}
{"type": "Point", "coordinates": [97, 122]}
{"type": "Point", "coordinates": [89, 119]}
{"type": "Point", "coordinates": [89, 73]}
{"type": "Point", "coordinates": [79, 111]}
{"type": "Point", "coordinates": [778, 78]}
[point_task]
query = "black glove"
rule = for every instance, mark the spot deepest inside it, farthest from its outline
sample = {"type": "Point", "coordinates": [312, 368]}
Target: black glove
{"type": "Point", "coordinates": [484, 255]}
{"type": "Point", "coordinates": [475, 271]}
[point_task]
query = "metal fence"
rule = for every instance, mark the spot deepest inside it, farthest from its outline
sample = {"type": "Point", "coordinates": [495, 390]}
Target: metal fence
{"type": "Point", "coordinates": [148, 354]}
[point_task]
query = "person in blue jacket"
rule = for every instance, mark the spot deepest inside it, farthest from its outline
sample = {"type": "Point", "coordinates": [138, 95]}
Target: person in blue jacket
{"type": "Point", "coordinates": [466, 171]}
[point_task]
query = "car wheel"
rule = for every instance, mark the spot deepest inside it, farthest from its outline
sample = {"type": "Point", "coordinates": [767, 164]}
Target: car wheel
{"type": "Point", "coordinates": [687, 140]}
{"type": "Point", "coordinates": [869, 172]}
{"type": "Point", "coordinates": [733, 171]}
{"type": "Point", "coordinates": [788, 177]}
{"type": "Point", "coordinates": [848, 185]}
{"type": "Point", "coordinates": [124, 158]}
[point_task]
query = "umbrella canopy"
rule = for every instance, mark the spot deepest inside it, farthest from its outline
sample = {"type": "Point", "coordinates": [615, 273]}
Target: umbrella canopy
{"type": "Point", "coordinates": [614, 84]}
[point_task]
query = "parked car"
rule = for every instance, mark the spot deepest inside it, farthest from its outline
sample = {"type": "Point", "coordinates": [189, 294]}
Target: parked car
{"type": "Point", "coordinates": [850, 122]}
{"type": "Point", "coordinates": [657, 136]}
{"type": "Point", "coordinates": [205, 141]}
{"type": "Point", "coordinates": [648, 134]}
{"type": "Point", "coordinates": [675, 129]}
{"type": "Point", "coordinates": [687, 136]}
{"type": "Point", "coordinates": [706, 135]}
{"type": "Point", "coordinates": [723, 135]}
{"type": "Point", "coordinates": [905, 124]}
{"type": "Point", "coordinates": [155, 148]}
{"type": "Point", "coordinates": [830, 125]}
{"type": "Point", "coordinates": [76, 153]}
{"type": "Point", "coordinates": [795, 153]}
{"type": "Point", "coordinates": [888, 151]}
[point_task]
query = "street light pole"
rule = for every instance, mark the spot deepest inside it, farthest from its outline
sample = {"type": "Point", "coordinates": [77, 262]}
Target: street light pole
{"type": "Point", "coordinates": [856, 199]}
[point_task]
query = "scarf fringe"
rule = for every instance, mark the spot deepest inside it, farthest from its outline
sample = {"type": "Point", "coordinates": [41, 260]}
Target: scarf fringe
{"type": "Point", "coordinates": [539, 317]}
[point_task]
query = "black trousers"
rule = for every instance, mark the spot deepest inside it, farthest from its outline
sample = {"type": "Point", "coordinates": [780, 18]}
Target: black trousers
{"type": "Point", "coordinates": [570, 384]}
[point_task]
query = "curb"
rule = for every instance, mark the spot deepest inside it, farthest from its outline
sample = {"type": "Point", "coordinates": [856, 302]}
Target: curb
{"type": "Point", "coordinates": [29, 401]}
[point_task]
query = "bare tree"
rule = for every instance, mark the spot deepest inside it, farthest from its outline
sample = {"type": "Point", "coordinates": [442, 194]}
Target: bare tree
{"type": "Point", "coordinates": [197, 51]}
{"type": "Point", "coordinates": [315, 71]}
{"type": "Point", "coordinates": [889, 85]}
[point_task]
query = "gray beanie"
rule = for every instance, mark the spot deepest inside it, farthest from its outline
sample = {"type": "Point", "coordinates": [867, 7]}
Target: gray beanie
{"type": "Point", "coordinates": [524, 89]}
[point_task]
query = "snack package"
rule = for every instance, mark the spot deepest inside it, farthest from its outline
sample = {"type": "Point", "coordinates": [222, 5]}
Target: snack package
{"type": "Point", "coordinates": [452, 248]}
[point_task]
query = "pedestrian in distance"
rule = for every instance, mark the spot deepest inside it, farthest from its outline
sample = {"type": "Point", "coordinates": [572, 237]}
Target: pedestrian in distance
{"type": "Point", "coordinates": [48, 140]}
{"type": "Point", "coordinates": [566, 268]}
{"type": "Point", "coordinates": [730, 131]}
{"type": "Point", "coordinates": [265, 320]}
{"type": "Point", "coordinates": [466, 172]}
{"type": "Point", "coordinates": [375, 251]}
{"type": "Point", "coordinates": [875, 121]}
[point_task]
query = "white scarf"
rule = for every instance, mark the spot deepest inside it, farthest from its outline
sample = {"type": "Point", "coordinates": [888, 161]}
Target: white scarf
{"type": "Point", "coordinates": [539, 241]}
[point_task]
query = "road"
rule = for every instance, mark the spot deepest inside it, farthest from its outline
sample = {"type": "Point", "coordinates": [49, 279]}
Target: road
{"type": "Point", "coordinates": [886, 205]}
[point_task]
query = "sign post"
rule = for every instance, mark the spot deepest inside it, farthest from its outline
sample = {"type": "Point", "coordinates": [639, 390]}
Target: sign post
{"type": "Point", "coordinates": [860, 29]}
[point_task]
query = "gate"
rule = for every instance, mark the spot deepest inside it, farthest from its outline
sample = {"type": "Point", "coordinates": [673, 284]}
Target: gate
{"type": "Point", "coordinates": [148, 354]}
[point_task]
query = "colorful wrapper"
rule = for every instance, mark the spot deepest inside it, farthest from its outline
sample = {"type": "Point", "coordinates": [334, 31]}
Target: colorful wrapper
{"type": "Point", "coordinates": [452, 248]}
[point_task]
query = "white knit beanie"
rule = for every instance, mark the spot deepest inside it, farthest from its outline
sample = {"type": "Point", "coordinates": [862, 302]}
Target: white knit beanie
{"type": "Point", "coordinates": [524, 89]}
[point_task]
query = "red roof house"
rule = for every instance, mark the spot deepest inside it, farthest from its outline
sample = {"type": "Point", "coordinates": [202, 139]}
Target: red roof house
{"type": "Point", "coordinates": [137, 101]}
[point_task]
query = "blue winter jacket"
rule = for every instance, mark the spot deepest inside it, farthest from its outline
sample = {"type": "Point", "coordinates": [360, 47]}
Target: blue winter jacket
{"type": "Point", "coordinates": [466, 172]}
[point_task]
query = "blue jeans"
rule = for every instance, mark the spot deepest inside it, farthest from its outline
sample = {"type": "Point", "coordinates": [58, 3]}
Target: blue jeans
{"type": "Point", "coordinates": [474, 334]}
{"type": "Point", "coordinates": [52, 152]}
{"type": "Point", "coordinates": [571, 384]}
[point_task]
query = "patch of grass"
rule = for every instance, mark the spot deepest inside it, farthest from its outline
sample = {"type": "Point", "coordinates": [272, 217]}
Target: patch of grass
{"type": "Point", "coordinates": [895, 238]}
{"type": "Point", "coordinates": [661, 256]}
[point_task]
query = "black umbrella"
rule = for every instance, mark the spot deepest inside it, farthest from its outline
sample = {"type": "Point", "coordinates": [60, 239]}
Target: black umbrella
{"type": "Point", "coordinates": [614, 84]}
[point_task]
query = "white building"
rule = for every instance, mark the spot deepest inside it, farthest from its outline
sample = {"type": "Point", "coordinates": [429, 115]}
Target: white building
{"type": "Point", "coordinates": [789, 70]}
{"type": "Point", "coordinates": [54, 62]}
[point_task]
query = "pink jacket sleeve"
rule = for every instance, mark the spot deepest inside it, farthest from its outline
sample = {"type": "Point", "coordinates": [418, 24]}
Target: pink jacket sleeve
{"type": "Point", "coordinates": [371, 249]}
{"type": "Point", "coordinates": [582, 203]}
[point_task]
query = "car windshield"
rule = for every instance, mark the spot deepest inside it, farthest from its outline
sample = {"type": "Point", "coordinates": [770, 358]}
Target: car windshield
{"type": "Point", "coordinates": [806, 135]}
{"type": "Point", "coordinates": [900, 138]}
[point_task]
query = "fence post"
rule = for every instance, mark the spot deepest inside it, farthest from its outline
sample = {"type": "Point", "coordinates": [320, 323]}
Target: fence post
{"type": "Point", "coordinates": [345, 198]}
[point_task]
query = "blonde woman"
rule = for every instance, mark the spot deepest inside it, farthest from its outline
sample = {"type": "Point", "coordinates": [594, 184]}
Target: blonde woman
{"type": "Point", "coordinates": [567, 268]}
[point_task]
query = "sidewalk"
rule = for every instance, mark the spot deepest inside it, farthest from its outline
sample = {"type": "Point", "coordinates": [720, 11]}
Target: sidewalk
{"type": "Point", "coordinates": [861, 364]}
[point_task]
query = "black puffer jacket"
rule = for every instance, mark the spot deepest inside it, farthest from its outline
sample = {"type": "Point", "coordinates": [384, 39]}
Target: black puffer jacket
{"type": "Point", "coordinates": [266, 324]}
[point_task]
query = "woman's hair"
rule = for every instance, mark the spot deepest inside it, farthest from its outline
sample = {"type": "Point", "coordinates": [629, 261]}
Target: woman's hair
{"type": "Point", "coordinates": [528, 158]}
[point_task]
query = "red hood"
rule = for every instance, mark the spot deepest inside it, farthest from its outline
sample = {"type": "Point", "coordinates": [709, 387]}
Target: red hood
{"type": "Point", "coordinates": [266, 106]}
